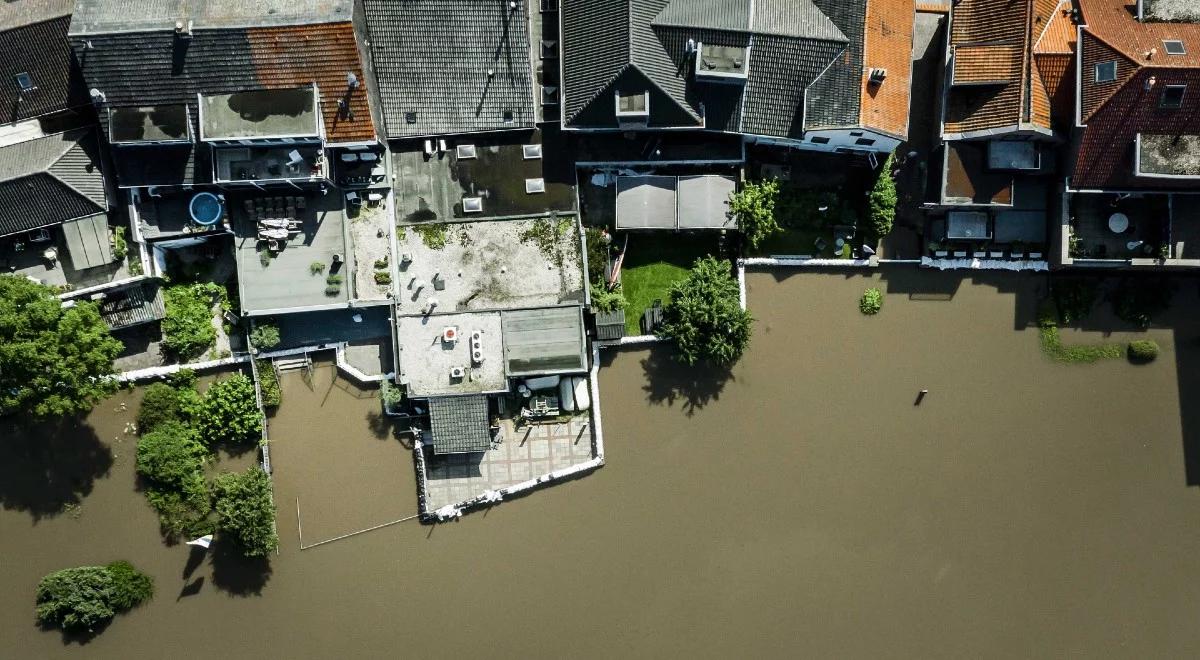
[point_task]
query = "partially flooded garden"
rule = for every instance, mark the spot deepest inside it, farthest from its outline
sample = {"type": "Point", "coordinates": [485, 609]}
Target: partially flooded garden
{"type": "Point", "coordinates": [1026, 507]}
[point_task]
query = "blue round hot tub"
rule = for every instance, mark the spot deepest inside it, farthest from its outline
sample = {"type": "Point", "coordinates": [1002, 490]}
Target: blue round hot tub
{"type": "Point", "coordinates": [206, 209]}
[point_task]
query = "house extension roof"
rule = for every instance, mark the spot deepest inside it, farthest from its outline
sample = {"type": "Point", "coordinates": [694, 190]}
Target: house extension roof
{"type": "Point", "coordinates": [50, 180]}
{"type": "Point", "coordinates": [459, 424]}
{"type": "Point", "coordinates": [156, 68]}
{"type": "Point", "coordinates": [432, 59]}
{"type": "Point", "coordinates": [107, 16]}
{"type": "Point", "coordinates": [1010, 62]}
{"type": "Point", "coordinates": [1115, 113]}
{"type": "Point", "coordinates": [805, 68]}
{"type": "Point", "coordinates": [40, 50]}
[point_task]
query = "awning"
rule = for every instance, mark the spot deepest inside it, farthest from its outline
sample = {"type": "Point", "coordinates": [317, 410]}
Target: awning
{"type": "Point", "coordinates": [88, 242]}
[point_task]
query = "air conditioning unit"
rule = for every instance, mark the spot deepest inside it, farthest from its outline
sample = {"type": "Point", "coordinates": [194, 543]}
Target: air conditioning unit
{"type": "Point", "coordinates": [457, 373]}
{"type": "Point", "coordinates": [477, 356]}
{"type": "Point", "coordinates": [450, 334]}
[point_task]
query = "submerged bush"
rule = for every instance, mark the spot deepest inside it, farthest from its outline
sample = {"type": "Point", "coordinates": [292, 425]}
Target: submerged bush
{"type": "Point", "coordinates": [265, 336]}
{"type": "Point", "coordinates": [164, 403]}
{"type": "Point", "coordinates": [245, 511]}
{"type": "Point", "coordinates": [1143, 350]}
{"type": "Point", "coordinates": [268, 383]}
{"type": "Point", "coordinates": [83, 597]}
{"type": "Point", "coordinates": [188, 328]}
{"type": "Point", "coordinates": [871, 301]}
{"type": "Point", "coordinates": [229, 412]}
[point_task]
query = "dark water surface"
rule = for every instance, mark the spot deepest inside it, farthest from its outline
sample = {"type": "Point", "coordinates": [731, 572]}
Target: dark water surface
{"type": "Point", "coordinates": [800, 506]}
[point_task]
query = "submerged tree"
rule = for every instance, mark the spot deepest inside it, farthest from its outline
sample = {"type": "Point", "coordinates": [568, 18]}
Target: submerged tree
{"type": "Point", "coordinates": [229, 412]}
{"type": "Point", "coordinates": [754, 209]}
{"type": "Point", "coordinates": [84, 597]}
{"type": "Point", "coordinates": [883, 200]}
{"type": "Point", "coordinates": [246, 512]}
{"type": "Point", "coordinates": [54, 360]}
{"type": "Point", "coordinates": [704, 315]}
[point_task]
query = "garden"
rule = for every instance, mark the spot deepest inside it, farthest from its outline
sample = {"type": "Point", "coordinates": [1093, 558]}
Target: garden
{"type": "Point", "coordinates": [1135, 301]}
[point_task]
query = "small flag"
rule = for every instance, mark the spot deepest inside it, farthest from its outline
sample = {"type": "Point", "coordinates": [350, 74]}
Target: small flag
{"type": "Point", "coordinates": [203, 541]}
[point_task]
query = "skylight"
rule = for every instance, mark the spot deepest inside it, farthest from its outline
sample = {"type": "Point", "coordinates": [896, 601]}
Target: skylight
{"type": "Point", "coordinates": [24, 81]}
{"type": "Point", "coordinates": [472, 204]}
{"type": "Point", "coordinates": [1172, 96]}
{"type": "Point", "coordinates": [1106, 71]}
{"type": "Point", "coordinates": [1174, 47]}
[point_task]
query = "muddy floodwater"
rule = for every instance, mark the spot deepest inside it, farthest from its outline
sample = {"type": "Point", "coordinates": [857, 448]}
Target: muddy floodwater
{"type": "Point", "coordinates": [799, 506]}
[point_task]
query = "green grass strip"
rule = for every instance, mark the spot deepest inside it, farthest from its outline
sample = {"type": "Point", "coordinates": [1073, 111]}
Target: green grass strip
{"type": "Point", "coordinates": [1053, 346]}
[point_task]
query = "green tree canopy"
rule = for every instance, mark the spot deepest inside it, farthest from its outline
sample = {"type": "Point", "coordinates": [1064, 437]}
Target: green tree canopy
{"type": "Point", "coordinates": [54, 361]}
{"type": "Point", "coordinates": [229, 412]}
{"type": "Point", "coordinates": [704, 315]}
{"type": "Point", "coordinates": [245, 511]}
{"type": "Point", "coordinates": [170, 454]}
{"type": "Point", "coordinates": [754, 209]}
{"type": "Point", "coordinates": [883, 200]}
{"type": "Point", "coordinates": [163, 403]}
{"type": "Point", "coordinates": [82, 598]}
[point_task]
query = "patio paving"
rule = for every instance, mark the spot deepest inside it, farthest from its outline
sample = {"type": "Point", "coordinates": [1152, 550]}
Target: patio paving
{"type": "Point", "coordinates": [517, 455]}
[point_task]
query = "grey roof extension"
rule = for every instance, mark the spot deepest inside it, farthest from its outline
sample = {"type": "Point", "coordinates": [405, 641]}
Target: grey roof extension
{"type": "Point", "coordinates": [132, 305]}
{"type": "Point", "coordinates": [432, 59]}
{"type": "Point", "coordinates": [106, 16]}
{"type": "Point", "coordinates": [49, 180]}
{"type": "Point", "coordinates": [642, 45]}
{"type": "Point", "coordinates": [459, 424]}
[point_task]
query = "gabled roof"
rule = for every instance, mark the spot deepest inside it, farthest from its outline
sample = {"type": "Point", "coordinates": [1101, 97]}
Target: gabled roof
{"type": "Point", "coordinates": [801, 48]}
{"type": "Point", "coordinates": [432, 59]}
{"type": "Point", "coordinates": [40, 50]}
{"type": "Point", "coordinates": [152, 68]}
{"type": "Point", "coordinates": [1115, 113]}
{"type": "Point", "coordinates": [997, 83]}
{"type": "Point", "coordinates": [50, 180]}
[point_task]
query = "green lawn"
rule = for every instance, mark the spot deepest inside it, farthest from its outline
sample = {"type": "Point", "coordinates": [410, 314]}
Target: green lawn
{"type": "Point", "coordinates": [653, 264]}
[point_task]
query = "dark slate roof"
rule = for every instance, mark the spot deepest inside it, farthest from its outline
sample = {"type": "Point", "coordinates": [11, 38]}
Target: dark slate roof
{"type": "Point", "coordinates": [41, 50]}
{"type": "Point", "coordinates": [459, 424]}
{"type": "Point", "coordinates": [432, 59]}
{"type": "Point", "coordinates": [153, 68]}
{"type": "Point", "coordinates": [49, 180]}
{"type": "Point", "coordinates": [640, 45]}
{"type": "Point", "coordinates": [132, 305]}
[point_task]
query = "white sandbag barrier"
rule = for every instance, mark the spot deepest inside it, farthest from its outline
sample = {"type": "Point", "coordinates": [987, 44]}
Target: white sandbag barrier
{"type": "Point", "coordinates": [802, 261]}
{"type": "Point", "coordinates": [985, 264]}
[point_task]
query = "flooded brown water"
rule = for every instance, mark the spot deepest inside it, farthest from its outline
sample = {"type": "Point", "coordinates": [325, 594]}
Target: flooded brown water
{"type": "Point", "coordinates": [803, 506]}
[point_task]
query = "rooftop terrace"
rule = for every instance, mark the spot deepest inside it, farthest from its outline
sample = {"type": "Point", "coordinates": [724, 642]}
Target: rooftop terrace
{"type": "Point", "coordinates": [478, 266]}
{"type": "Point", "coordinates": [427, 360]}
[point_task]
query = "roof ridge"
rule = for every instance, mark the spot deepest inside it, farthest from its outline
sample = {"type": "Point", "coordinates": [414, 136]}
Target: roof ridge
{"type": "Point", "coordinates": [50, 171]}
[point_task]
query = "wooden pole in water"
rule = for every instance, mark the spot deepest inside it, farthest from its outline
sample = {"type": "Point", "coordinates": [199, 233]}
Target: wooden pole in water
{"type": "Point", "coordinates": [920, 397]}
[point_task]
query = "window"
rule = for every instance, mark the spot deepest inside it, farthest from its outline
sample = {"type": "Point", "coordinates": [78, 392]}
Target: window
{"type": "Point", "coordinates": [25, 81]}
{"type": "Point", "coordinates": [633, 104]}
{"type": "Point", "coordinates": [1172, 96]}
{"type": "Point", "coordinates": [818, 139]}
{"type": "Point", "coordinates": [1106, 71]}
{"type": "Point", "coordinates": [1174, 47]}
{"type": "Point", "coordinates": [864, 142]}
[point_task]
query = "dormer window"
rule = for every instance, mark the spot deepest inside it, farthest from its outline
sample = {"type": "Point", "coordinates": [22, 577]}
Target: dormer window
{"type": "Point", "coordinates": [1106, 71]}
{"type": "Point", "coordinates": [722, 63]}
{"type": "Point", "coordinates": [1172, 97]}
{"type": "Point", "coordinates": [1174, 47]}
{"type": "Point", "coordinates": [633, 106]}
{"type": "Point", "coordinates": [25, 81]}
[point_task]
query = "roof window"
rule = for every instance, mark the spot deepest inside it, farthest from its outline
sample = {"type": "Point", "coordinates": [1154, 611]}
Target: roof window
{"type": "Point", "coordinates": [1106, 71]}
{"type": "Point", "coordinates": [1172, 96]}
{"type": "Point", "coordinates": [25, 81]}
{"type": "Point", "coordinates": [1174, 47]}
{"type": "Point", "coordinates": [633, 104]}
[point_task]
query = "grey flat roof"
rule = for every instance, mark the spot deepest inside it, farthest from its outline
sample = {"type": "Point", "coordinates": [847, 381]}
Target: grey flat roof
{"type": "Point", "coordinates": [149, 123]}
{"type": "Point", "coordinates": [133, 305]}
{"type": "Point", "coordinates": [101, 16]}
{"type": "Point", "coordinates": [262, 113]}
{"type": "Point", "coordinates": [426, 360]}
{"type": "Point", "coordinates": [87, 241]}
{"type": "Point", "coordinates": [646, 202]}
{"type": "Point", "coordinates": [703, 201]}
{"type": "Point", "coordinates": [459, 424]}
{"type": "Point", "coordinates": [967, 225]}
{"type": "Point", "coordinates": [1024, 226]}
{"type": "Point", "coordinates": [286, 283]}
{"type": "Point", "coordinates": [544, 341]}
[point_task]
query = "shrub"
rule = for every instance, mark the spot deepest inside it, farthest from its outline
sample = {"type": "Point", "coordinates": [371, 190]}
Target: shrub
{"type": "Point", "coordinates": [119, 247]}
{"type": "Point", "coordinates": [265, 336]}
{"type": "Point", "coordinates": [432, 235]}
{"type": "Point", "coordinates": [333, 290]}
{"type": "Point", "coordinates": [871, 301]}
{"type": "Point", "coordinates": [1143, 350]}
{"type": "Point", "coordinates": [188, 329]}
{"type": "Point", "coordinates": [754, 209]}
{"type": "Point", "coordinates": [882, 200]}
{"type": "Point", "coordinates": [245, 511]}
{"type": "Point", "coordinates": [170, 455]}
{"type": "Point", "coordinates": [164, 403]}
{"type": "Point", "coordinates": [334, 278]}
{"type": "Point", "coordinates": [704, 315]}
{"type": "Point", "coordinates": [383, 277]}
{"type": "Point", "coordinates": [229, 412]}
{"type": "Point", "coordinates": [184, 511]}
{"type": "Point", "coordinates": [381, 264]}
{"type": "Point", "coordinates": [604, 300]}
{"type": "Point", "coordinates": [268, 383]}
{"type": "Point", "coordinates": [316, 268]}
{"type": "Point", "coordinates": [598, 247]}
{"type": "Point", "coordinates": [83, 597]}
{"type": "Point", "coordinates": [391, 395]}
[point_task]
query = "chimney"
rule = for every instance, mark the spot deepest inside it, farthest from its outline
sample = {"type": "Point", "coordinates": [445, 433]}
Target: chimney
{"type": "Point", "coordinates": [351, 80]}
{"type": "Point", "coordinates": [1150, 83]}
{"type": "Point", "coordinates": [97, 96]}
{"type": "Point", "coordinates": [183, 30]}
{"type": "Point", "coordinates": [1151, 53]}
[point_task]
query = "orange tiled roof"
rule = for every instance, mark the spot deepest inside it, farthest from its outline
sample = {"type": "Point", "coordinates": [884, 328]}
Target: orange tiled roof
{"type": "Point", "coordinates": [889, 38]}
{"type": "Point", "coordinates": [995, 41]}
{"type": "Point", "coordinates": [297, 55]}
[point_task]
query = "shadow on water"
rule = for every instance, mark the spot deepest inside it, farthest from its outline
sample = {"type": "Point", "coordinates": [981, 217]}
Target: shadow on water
{"type": "Point", "coordinates": [668, 381]}
{"type": "Point", "coordinates": [49, 466]}
{"type": "Point", "coordinates": [80, 637]}
{"type": "Point", "coordinates": [238, 575]}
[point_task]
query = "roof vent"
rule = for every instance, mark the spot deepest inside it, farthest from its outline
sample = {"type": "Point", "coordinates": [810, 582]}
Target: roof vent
{"type": "Point", "coordinates": [97, 95]}
{"type": "Point", "coordinates": [877, 76]}
{"type": "Point", "coordinates": [351, 80]}
{"type": "Point", "coordinates": [457, 373]}
{"type": "Point", "coordinates": [183, 30]}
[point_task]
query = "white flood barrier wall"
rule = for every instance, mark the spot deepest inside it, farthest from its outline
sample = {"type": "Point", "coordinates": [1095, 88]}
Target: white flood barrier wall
{"type": "Point", "coordinates": [802, 261]}
{"type": "Point", "coordinates": [984, 264]}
